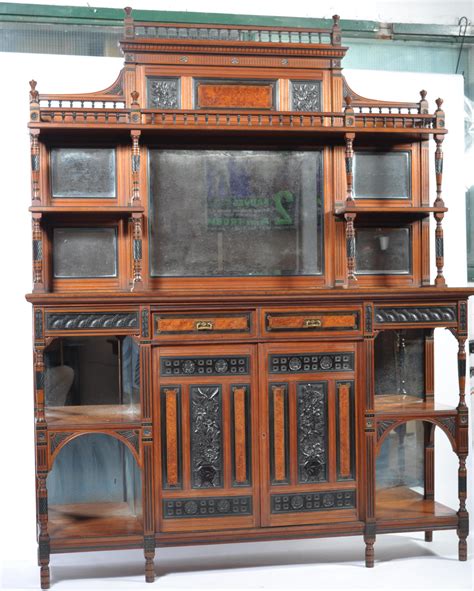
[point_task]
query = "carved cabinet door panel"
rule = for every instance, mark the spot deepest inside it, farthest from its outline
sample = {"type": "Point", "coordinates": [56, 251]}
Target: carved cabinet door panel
{"type": "Point", "coordinates": [308, 403]}
{"type": "Point", "coordinates": [206, 410]}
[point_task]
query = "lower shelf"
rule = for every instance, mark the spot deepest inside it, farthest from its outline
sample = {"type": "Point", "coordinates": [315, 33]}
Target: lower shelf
{"type": "Point", "coordinates": [98, 414]}
{"type": "Point", "coordinates": [88, 520]}
{"type": "Point", "coordinates": [402, 504]}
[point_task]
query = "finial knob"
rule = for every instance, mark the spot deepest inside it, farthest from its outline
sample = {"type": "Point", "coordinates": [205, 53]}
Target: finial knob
{"type": "Point", "coordinates": [128, 11]}
{"type": "Point", "coordinates": [423, 94]}
{"type": "Point", "coordinates": [439, 102]}
{"type": "Point", "coordinates": [348, 100]}
{"type": "Point", "coordinates": [134, 95]}
{"type": "Point", "coordinates": [33, 92]}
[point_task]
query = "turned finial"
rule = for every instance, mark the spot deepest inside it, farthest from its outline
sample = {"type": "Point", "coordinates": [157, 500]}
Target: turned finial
{"type": "Point", "coordinates": [128, 11]}
{"type": "Point", "coordinates": [33, 92]}
{"type": "Point", "coordinates": [423, 104]}
{"type": "Point", "coordinates": [348, 101]}
{"type": "Point", "coordinates": [439, 102]}
{"type": "Point", "coordinates": [135, 96]}
{"type": "Point", "coordinates": [335, 19]}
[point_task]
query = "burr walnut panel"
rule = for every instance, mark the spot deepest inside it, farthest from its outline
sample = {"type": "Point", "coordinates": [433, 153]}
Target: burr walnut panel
{"type": "Point", "coordinates": [234, 94]}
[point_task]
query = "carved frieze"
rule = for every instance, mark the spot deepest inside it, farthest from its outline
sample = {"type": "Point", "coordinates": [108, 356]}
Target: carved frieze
{"type": "Point", "coordinates": [94, 320]}
{"type": "Point", "coordinates": [200, 366]}
{"type": "Point", "coordinates": [320, 501]}
{"type": "Point", "coordinates": [412, 314]}
{"type": "Point", "coordinates": [207, 507]}
{"type": "Point", "coordinates": [311, 362]}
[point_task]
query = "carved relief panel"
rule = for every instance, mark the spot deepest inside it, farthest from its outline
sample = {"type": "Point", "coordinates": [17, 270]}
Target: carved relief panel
{"type": "Point", "coordinates": [309, 406]}
{"type": "Point", "coordinates": [207, 406]}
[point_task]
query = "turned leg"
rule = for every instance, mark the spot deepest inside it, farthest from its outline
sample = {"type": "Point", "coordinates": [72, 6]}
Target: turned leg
{"type": "Point", "coordinates": [149, 548]}
{"type": "Point", "coordinates": [43, 539]}
{"type": "Point", "coordinates": [43, 561]}
{"type": "Point", "coordinates": [428, 536]}
{"type": "Point", "coordinates": [369, 539]}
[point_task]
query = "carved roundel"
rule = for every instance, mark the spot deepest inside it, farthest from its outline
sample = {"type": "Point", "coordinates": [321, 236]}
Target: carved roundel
{"type": "Point", "coordinates": [297, 502]}
{"type": "Point", "coordinates": [328, 500]}
{"type": "Point", "coordinates": [223, 505]}
{"type": "Point", "coordinates": [190, 507]}
{"type": "Point", "coordinates": [221, 366]}
{"type": "Point", "coordinates": [189, 366]}
{"type": "Point", "coordinates": [295, 364]}
{"type": "Point", "coordinates": [326, 362]}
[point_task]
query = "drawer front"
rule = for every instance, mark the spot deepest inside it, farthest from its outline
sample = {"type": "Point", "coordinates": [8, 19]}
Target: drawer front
{"type": "Point", "coordinates": [202, 324]}
{"type": "Point", "coordinates": [312, 321]}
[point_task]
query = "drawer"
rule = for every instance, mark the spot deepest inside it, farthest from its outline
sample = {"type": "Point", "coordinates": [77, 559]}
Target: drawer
{"type": "Point", "coordinates": [202, 324]}
{"type": "Point", "coordinates": [310, 321]}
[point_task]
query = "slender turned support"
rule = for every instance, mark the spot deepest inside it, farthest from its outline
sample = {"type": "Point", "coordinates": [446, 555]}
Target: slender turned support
{"type": "Point", "coordinates": [135, 200]}
{"type": "Point", "coordinates": [462, 439]}
{"type": "Point", "coordinates": [35, 167]}
{"type": "Point", "coordinates": [439, 170]}
{"type": "Point", "coordinates": [350, 249]}
{"type": "Point", "coordinates": [37, 244]}
{"type": "Point", "coordinates": [463, 515]}
{"type": "Point", "coordinates": [137, 281]}
{"type": "Point", "coordinates": [439, 244]}
{"type": "Point", "coordinates": [349, 137]}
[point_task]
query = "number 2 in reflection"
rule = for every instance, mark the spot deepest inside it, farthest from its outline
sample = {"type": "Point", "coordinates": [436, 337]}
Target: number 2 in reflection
{"type": "Point", "coordinates": [280, 198]}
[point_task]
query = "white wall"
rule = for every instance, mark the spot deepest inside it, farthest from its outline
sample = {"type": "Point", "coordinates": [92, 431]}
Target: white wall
{"type": "Point", "coordinates": [75, 74]}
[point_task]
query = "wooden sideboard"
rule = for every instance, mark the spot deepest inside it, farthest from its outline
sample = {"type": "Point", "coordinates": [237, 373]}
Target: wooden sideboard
{"type": "Point", "coordinates": [233, 313]}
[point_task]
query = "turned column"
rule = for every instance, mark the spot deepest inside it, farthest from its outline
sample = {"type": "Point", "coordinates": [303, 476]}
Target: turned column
{"type": "Point", "coordinates": [462, 444]}
{"type": "Point", "coordinates": [439, 239]}
{"type": "Point", "coordinates": [147, 446]}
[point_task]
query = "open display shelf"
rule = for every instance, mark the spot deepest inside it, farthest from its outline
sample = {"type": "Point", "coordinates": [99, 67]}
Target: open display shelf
{"type": "Point", "coordinates": [233, 312]}
{"type": "Point", "coordinates": [99, 414]}
{"type": "Point", "coordinates": [399, 500]}
{"type": "Point", "coordinates": [92, 520]}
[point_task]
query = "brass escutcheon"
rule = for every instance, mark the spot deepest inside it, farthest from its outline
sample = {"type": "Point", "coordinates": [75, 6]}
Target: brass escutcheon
{"type": "Point", "coordinates": [312, 323]}
{"type": "Point", "coordinates": [204, 325]}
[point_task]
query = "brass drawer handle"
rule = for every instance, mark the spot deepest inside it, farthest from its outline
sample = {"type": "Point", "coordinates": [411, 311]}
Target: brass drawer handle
{"type": "Point", "coordinates": [312, 323]}
{"type": "Point", "coordinates": [204, 325]}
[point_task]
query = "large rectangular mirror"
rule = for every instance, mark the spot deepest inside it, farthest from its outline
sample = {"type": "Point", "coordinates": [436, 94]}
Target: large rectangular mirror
{"type": "Point", "coordinates": [235, 213]}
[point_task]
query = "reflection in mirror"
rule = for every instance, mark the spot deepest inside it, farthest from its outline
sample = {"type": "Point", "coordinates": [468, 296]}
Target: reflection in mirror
{"type": "Point", "coordinates": [383, 251]}
{"type": "Point", "coordinates": [83, 173]}
{"type": "Point", "coordinates": [382, 175]}
{"type": "Point", "coordinates": [84, 252]}
{"type": "Point", "coordinates": [400, 460]}
{"type": "Point", "coordinates": [399, 363]}
{"type": "Point", "coordinates": [247, 213]}
{"type": "Point", "coordinates": [89, 378]}
{"type": "Point", "coordinates": [94, 488]}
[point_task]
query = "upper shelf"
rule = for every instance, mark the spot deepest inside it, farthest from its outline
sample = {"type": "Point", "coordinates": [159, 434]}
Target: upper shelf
{"type": "Point", "coordinates": [103, 210]}
{"type": "Point", "coordinates": [407, 213]}
{"type": "Point", "coordinates": [111, 120]}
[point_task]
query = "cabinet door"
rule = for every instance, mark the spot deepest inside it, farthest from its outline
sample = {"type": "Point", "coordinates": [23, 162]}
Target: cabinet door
{"type": "Point", "coordinates": [308, 401]}
{"type": "Point", "coordinates": [207, 412]}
